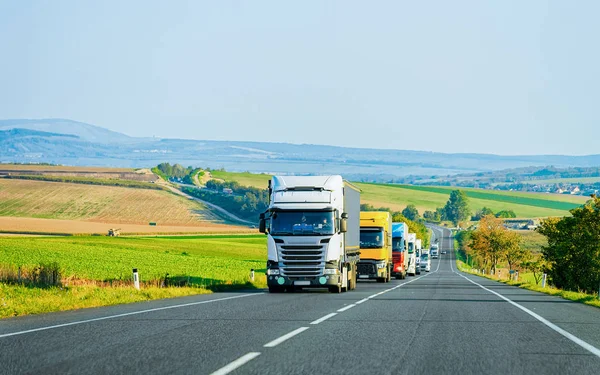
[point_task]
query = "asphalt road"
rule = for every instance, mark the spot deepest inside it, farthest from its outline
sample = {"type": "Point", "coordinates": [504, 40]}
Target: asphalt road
{"type": "Point", "coordinates": [440, 322]}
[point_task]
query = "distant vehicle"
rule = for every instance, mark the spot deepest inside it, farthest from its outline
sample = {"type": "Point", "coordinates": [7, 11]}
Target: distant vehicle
{"type": "Point", "coordinates": [375, 246]}
{"type": "Point", "coordinates": [399, 250]}
{"type": "Point", "coordinates": [425, 262]}
{"type": "Point", "coordinates": [434, 251]}
{"type": "Point", "coordinates": [412, 255]}
{"type": "Point", "coordinates": [313, 233]}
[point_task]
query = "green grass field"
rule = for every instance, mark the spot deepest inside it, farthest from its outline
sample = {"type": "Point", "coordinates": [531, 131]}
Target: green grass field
{"type": "Point", "coordinates": [260, 181]}
{"type": "Point", "coordinates": [208, 261]}
{"type": "Point", "coordinates": [429, 198]}
{"type": "Point", "coordinates": [397, 197]}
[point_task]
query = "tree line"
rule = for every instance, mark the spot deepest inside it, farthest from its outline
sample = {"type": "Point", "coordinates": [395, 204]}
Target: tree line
{"type": "Point", "coordinates": [571, 259]}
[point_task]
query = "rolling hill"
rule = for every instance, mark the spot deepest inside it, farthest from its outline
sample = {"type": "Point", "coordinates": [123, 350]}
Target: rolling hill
{"type": "Point", "coordinates": [67, 142]}
{"type": "Point", "coordinates": [397, 197]}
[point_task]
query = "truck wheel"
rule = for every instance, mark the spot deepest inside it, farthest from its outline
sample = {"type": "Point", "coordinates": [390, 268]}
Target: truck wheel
{"type": "Point", "coordinates": [381, 279]}
{"type": "Point", "coordinates": [335, 289]}
{"type": "Point", "coordinates": [275, 289]}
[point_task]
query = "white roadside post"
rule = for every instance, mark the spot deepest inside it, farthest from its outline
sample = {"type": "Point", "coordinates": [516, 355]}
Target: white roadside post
{"type": "Point", "coordinates": [136, 279]}
{"type": "Point", "coordinates": [544, 280]}
{"type": "Point", "coordinates": [252, 274]}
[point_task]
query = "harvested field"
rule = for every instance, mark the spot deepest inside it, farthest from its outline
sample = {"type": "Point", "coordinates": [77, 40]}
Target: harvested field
{"type": "Point", "coordinates": [100, 204]}
{"type": "Point", "coordinates": [27, 225]}
{"type": "Point", "coordinates": [56, 168]}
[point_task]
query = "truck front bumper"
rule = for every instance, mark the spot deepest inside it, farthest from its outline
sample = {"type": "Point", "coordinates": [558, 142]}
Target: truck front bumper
{"type": "Point", "coordinates": [367, 269]}
{"type": "Point", "coordinates": [305, 282]}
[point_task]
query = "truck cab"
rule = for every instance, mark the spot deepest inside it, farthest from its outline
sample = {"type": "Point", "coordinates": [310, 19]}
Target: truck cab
{"type": "Point", "coordinates": [399, 250]}
{"type": "Point", "coordinates": [434, 251]}
{"type": "Point", "coordinates": [375, 246]}
{"type": "Point", "coordinates": [313, 231]}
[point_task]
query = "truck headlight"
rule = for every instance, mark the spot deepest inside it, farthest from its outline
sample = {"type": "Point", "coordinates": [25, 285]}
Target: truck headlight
{"type": "Point", "coordinates": [329, 271]}
{"type": "Point", "coordinates": [380, 265]}
{"type": "Point", "coordinates": [272, 271]}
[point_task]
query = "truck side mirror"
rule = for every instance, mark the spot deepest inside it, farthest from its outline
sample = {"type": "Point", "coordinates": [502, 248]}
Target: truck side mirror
{"type": "Point", "coordinates": [262, 224]}
{"type": "Point", "coordinates": [344, 223]}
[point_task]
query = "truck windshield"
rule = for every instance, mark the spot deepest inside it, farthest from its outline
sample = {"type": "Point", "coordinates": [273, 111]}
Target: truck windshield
{"type": "Point", "coordinates": [398, 244]}
{"type": "Point", "coordinates": [302, 223]}
{"type": "Point", "coordinates": [424, 256]}
{"type": "Point", "coordinates": [411, 247]}
{"type": "Point", "coordinates": [371, 238]}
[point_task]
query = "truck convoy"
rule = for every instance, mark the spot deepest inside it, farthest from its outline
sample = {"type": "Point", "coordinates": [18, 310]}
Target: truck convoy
{"type": "Point", "coordinates": [412, 256]}
{"type": "Point", "coordinates": [399, 250]}
{"type": "Point", "coordinates": [375, 246]}
{"type": "Point", "coordinates": [313, 233]}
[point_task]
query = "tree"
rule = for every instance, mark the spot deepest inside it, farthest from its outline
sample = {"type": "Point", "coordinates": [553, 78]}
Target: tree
{"type": "Point", "coordinates": [481, 213]}
{"type": "Point", "coordinates": [492, 242]}
{"type": "Point", "coordinates": [537, 266]}
{"type": "Point", "coordinates": [573, 251]}
{"type": "Point", "coordinates": [506, 214]}
{"type": "Point", "coordinates": [457, 208]}
{"type": "Point", "coordinates": [411, 212]}
{"type": "Point", "coordinates": [433, 216]}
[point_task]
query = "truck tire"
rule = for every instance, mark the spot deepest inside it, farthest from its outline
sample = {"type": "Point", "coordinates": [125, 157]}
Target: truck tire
{"type": "Point", "coordinates": [335, 289]}
{"type": "Point", "coordinates": [381, 279]}
{"type": "Point", "coordinates": [353, 281]}
{"type": "Point", "coordinates": [275, 289]}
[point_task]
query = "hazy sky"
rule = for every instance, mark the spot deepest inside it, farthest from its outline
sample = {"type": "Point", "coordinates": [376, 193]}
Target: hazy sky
{"type": "Point", "coordinates": [505, 77]}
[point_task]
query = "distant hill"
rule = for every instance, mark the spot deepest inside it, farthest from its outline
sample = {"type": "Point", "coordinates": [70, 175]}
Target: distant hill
{"type": "Point", "coordinates": [84, 131]}
{"type": "Point", "coordinates": [96, 146]}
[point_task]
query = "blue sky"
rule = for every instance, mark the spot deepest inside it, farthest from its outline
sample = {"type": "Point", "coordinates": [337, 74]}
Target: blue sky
{"type": "Point", "coordinates": [504, 77]}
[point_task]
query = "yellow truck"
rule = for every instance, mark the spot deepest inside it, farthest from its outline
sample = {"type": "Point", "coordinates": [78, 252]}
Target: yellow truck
{"type": "Point", "coordinates": [375, 246]}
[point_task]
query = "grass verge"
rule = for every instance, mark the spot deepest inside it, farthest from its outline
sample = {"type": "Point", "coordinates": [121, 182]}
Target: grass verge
{"type": "Point", "coordinates": [17, 300]}
{"type": "Point", "coordinates": [528, 283]}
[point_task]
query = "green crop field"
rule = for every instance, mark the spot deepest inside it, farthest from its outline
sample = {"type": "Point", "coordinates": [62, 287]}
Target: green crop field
{"type": "Point", "coordinates": [397, 197]}
{"type": "Point", "coordinates": [206, 261]}
{"type": "Point", "coordinates": [217, 259]}
{"type": "Point", "coordinates": [260, 181]}
{"type": "Point", "coordinates": [429, 198]}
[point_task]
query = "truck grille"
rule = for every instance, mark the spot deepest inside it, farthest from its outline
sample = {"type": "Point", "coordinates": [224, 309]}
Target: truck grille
{"type": "Point", "coordinates": [302, 260]}
{"type": "Point", "coordinates": [366, 268]}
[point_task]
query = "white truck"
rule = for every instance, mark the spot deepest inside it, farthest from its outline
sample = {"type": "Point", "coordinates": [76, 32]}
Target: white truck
{"type": "Point", "coordinates": [313, 233]}
{"type": "Point", "coordinates": [418, 247]}
{"type": "Point", "coordinates": [434, 251]}
{"type": "Point", "coordinates": [411, 241]}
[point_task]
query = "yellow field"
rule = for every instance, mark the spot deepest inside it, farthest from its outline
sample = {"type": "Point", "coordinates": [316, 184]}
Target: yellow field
{"type": "Point", "coordinates": [100, 204]}
{"type": "Point", "coordinates": [55, 168]}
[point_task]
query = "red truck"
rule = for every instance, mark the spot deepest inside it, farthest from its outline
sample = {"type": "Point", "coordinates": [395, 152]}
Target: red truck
{"type": "Point", "coordinates": [399, 250]}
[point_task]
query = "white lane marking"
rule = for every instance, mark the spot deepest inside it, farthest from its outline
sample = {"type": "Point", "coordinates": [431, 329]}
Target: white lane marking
{"type": "Point", "coordinates": [324, 318]}
{"type": "Point", "coordinates": [361, 301]}
{"type": "Point", "coordinates": [285, 337]}
{"type": "Point", "coordinates": [592, 349]}
{"type": "Point", "coordinates": [347, 307]}
{"type": "Point", "coordinates": [235, 364]}
{"type": "Point", "coordinates": [125, 314]}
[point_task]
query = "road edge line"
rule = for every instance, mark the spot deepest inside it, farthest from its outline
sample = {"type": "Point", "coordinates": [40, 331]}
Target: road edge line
{"type": "Point", "coordinates": [589, 347]}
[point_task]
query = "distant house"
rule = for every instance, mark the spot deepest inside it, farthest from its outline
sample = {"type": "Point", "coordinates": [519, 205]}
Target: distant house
{"type": "Point", "coordinates": [227, 191]}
